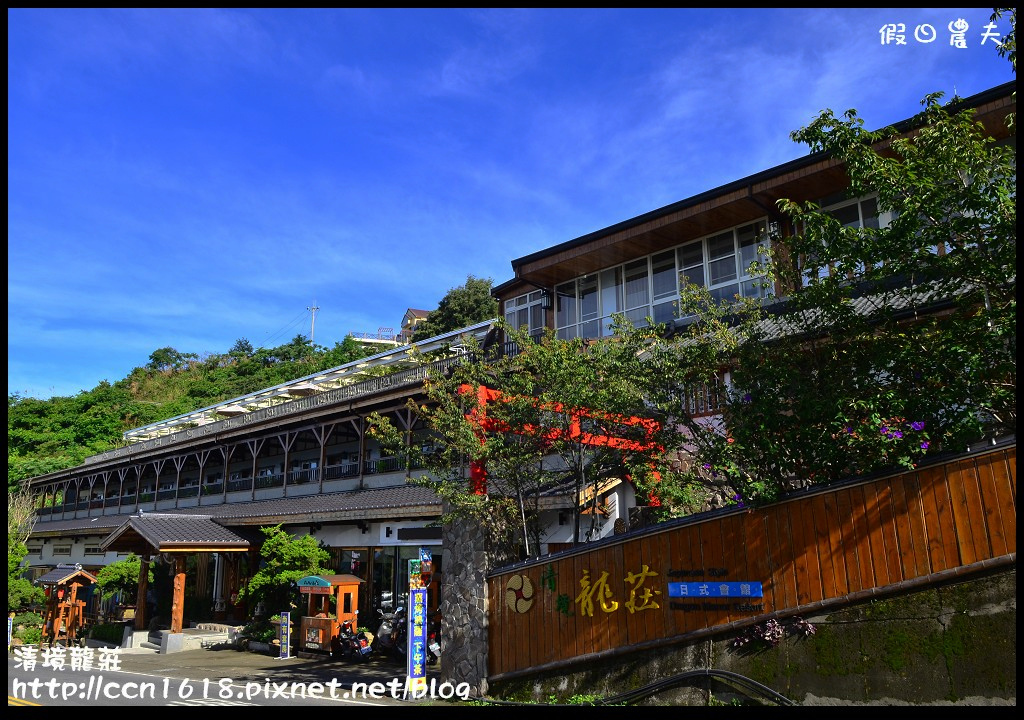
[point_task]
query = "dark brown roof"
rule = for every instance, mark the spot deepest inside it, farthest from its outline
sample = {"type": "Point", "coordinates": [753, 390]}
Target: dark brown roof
{"type": "Point", "coordinates": [368, 504]}
{"type": "Point", "coordinates": [147, 533]}
{"type": "Point", "coordinates": [63, 573]}
{"type": "Point", "coordinates": [403, 501]}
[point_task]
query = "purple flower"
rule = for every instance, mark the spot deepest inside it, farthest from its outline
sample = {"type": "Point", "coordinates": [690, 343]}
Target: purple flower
{"type": "Point", "coordinates": [707, 466]}
{"type": "Point", "coordinates": [746, 398]}
{"type": "Point", "coordinates": [885, 430]}
{"type": "Point", "coordinates": [897, 434]}
{"type": "Point", "coordinates": [917, 425]}
{"type": "Point", "coordinates": [848, 429]}
{"type": "Point", "coordinates": [924, 445]}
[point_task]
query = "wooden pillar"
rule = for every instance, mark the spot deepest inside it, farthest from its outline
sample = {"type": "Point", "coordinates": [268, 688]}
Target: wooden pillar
{"type": "Point", "coordinates": [178, 602]}
{"type": "Point", "coordinates": [141, 610]}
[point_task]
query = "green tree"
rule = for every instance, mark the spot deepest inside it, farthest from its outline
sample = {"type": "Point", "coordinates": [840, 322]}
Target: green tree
{"type": "Point", "coordinates": [122, 576]}
{"type": "Point", "coordinates": [241, 348]}
{"type": "Point", "coordinates": [285, 559]}
{"type": "Point", "coordinates": [459, 308]}
{"type": "Point", "coordinates": [540, 429]}
{"type": "Point", "coordinates": [20, 520]}
{"type": "Point", "coordinates": [168, 359]}
{"type": "Point", "coordinates": [890, 342]}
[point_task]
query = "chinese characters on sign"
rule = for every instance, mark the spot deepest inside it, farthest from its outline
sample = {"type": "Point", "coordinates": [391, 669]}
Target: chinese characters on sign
{"type": "Point", "coordinates": [641, 592]}
{"type": "Point", "coordinates": [417, 669]}
{"type": "Point", "coordinates": [640, 597]}
{"type": "Point", "coordinates": [896, 33]}
{"type": "Point", "coordinates": [27, 657]}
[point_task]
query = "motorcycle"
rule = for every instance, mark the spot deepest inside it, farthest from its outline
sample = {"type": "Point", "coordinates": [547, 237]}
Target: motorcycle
{"type": "Point", "coordinates": [390, 637]}
{"type": "Point", "coordinates": [433, 642]}
{"type": "Point", "coordinates": [433, 649]}
{"type": "Point", "coordinates": [349, 644]}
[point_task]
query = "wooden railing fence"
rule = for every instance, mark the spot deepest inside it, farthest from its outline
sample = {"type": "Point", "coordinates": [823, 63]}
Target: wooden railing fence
{"type": "Point", "coordinates": [690, 578]}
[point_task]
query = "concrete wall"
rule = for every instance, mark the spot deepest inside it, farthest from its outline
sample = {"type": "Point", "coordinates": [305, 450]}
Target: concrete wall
{"type": "Point", "coordinates": [949, 644]}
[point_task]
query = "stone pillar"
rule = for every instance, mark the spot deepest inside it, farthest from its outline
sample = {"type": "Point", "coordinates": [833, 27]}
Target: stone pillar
{"type": "Point", "coordinates": [464, 606]}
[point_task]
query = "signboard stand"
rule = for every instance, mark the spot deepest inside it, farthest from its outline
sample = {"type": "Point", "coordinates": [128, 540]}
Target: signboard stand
{"type": "Point", "coordinates": [416, 652]}
{"type": "Point", "coordinates": [284, 635]}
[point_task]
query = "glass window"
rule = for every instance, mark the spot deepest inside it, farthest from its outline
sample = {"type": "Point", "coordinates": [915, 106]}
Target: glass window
{"type": "Point", "coordinates": [721, 258]}
{"type": "Point", "coordinates": [637, 292]}
{"type": "Point", "coordinates": [663, 275]}
{"type": "Point", "coordinates": [565, 305]}
{"type": "Point", "coordinates": [691, 261]}
{"type": "Point", "coordinates": [611, 297]}
{"type": "Point", "coordinates": [588, 307]}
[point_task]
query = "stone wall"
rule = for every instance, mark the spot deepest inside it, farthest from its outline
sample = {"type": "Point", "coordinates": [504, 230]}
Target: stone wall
{"type": "Point", "coordinates": [463, 606]}
{"type": "Point", "coordinates": [949, 644]}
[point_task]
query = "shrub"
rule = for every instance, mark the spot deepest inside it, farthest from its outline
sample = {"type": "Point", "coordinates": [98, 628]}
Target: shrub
{"type": "Point", "coordinates": [108, 632]}
{"type": "Point", "coordinates": [30, 635]}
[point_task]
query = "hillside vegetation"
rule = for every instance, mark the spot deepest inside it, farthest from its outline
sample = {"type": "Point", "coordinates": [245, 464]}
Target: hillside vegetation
{"type": "Point", "coordinates": [48, 435]}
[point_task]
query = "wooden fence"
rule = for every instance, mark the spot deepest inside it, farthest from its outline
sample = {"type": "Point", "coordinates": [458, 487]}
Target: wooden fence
{"type": "Point", "coordinates": [733, 568]}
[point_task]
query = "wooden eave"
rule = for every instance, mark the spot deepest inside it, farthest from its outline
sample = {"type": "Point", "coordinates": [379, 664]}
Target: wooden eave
{"type": "Point", "coordinates": [806, 179]}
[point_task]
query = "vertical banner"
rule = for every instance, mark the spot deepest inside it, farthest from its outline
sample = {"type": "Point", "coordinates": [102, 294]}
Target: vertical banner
{"type": "Point", "coordinates": [284, 634]}
{"type": "Point", "coordinates": [416, 654]}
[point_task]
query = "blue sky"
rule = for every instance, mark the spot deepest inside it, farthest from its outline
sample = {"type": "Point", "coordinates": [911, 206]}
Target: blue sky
{"type": "Point", "coordinates": [186, 178]}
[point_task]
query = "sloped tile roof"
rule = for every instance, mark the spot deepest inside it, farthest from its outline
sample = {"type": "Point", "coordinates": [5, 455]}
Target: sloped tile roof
{"type": "Point", "coordinates": [168, 531]}
{"type": "Point", "coordinates": [372, 503]}
{"type": "Point", "coordinates": [64, 572]}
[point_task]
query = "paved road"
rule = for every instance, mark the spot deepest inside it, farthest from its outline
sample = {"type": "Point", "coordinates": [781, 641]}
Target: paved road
{"type": "Point", "coordinates": [215, 676]}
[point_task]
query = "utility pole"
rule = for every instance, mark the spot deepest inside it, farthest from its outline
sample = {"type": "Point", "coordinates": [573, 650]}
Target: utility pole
{"type": "Point", "coordinates": [312, 324]}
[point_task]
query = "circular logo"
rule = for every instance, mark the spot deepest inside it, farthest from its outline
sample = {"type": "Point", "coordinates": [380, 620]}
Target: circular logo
{"type": "Point", "coordinates": [519, 593]}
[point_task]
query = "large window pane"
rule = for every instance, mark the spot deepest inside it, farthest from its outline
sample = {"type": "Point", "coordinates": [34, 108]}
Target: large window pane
{"type": "Point", "coordinates": [751, 238]}
{"type": "Point", "coordinates": [665, 312]}
{"type": "Point", "coordinates": [728, 292]}
{"type": "Point", "coordinates": [849, 216]}
{"type": "Point", "coordinates": [611, 291]}
{"type": "Point", "coordinates": [565, 306]}
{"type": "Point", "coordinates": [664, 275]}
{"type": "Point", "coordinates": [691, 260]}
{"type": "Point", "coordinates": [588, 298]}
{"type": "Point", "coordinates": [636, 285]}
{"type": "Point", "coordinates": [869, 213]}
{"type": "Point", "coordinates": [721, 258]}
{"type": "Point", "coordinates": [590, 330]}
{"type": "Point", "coordinates": [722, 270]}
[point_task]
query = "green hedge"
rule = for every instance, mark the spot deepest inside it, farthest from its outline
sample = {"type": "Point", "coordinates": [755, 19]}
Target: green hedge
{"type": "Point", "coordinates": [108, 632]}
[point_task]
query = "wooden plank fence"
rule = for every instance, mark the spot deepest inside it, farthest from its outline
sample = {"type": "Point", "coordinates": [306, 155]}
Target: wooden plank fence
{"type": "Point", "coordinates": [686, 579]}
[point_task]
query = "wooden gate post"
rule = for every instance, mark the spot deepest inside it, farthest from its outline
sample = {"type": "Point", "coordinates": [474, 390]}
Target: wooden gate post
{"type": "Point", "coordinates": [141, 611]}
{"type": "Point", "coordinates": [178, 603]}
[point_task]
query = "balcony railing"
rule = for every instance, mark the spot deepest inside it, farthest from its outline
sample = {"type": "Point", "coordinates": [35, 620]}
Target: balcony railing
{"type": "Point", "coordinates": [187, 492]}
{"type": "Point", "coordinates": [165, 494]}
{"type": "Point", "coordinates": [344, 470]}
{"type": "Point", "coordinates": [298, 477]}
{"type": "Point", "coordinates": [239, 484]}
{"type": "Point", "coordinates": [383, 465]}
{"type": "Point", "coordinates": [269, 481]}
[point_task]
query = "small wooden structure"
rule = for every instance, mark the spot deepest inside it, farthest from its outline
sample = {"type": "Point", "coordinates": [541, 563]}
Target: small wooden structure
{"type": "Point", "coordinates": [319, 624]}
{"type": "Point", "coordinates": [65, 612]}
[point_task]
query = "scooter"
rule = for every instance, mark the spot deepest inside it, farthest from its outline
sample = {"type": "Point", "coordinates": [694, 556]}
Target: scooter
{"type": "Point", "coordinates": [351, 645]}
{"type": "Point", "coordinates": [389, 631]}
{"type": "Point", "coordinates": [433, 642]}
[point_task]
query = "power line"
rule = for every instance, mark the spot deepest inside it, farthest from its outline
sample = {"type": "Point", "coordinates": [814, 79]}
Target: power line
{"type": "Point", "coordinates": [295, 321]}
